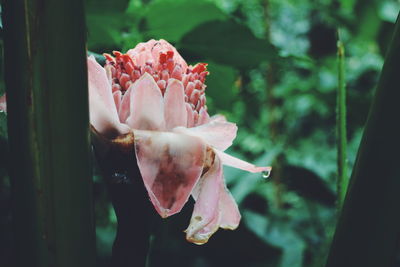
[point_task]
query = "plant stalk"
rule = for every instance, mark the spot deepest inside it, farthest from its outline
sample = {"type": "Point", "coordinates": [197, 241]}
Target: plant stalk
{"type": "Point", "coordinates": [48, 129]}
{"type": "Point", "coordinates": [342, 180]}
{"type": "Point", "coordinates": [368, 231]}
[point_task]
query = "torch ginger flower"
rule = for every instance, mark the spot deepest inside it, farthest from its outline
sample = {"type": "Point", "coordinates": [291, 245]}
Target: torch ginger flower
{"type": "Point", "coordinates": [151, 92]}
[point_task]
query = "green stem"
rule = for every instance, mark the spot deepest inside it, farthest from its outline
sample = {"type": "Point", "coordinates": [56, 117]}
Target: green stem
{"type": "Point", "coordinates": [48, 126]}
{"type": "Point", "coordinates": [342, 180]}
{"type": "Point", "coordinates": [368, 229]}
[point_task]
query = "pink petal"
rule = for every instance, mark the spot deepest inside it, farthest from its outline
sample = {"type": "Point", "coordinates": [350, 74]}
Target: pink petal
{"type": "Point", "coordinates": [117, 95]}
{"type": "Point", "coordinates": [146, 105]}
{"type": "Point", "coordinates": [99, 83]}
{"type": "Point", "coordinates": [239, 164]}
{"type": "Point", "coordinates": [189, 112]}
{"type": "Point", "coordinates": [103, 113]}
{"type": "Point", "coordinates": [219, 135]}
{"type": "Point", "coordinates": [203, 117]}
{"type": "Point", "coordinates": [174, 105]}
{"type": "Point", "coordinates": [171, 165]}
{"type": "Point", "coordinates": [124, 109]}
{"type": "Point", "coordinates": [218, 117]}
{"type": "Point", "coordinates": [229, 212]}
{"type": "Point", "coordinates": [205, 217]}
{"type": "Point", "coordinates": [3, 103]}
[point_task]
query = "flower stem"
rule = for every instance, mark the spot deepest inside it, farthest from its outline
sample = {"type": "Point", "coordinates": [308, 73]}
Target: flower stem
{"type": "Point", "coordinates": [129, 198]}
{"type": "Point", "coordinates": [48, 126]}
{"type": "Point", "coordinates": [368, 230]}
{"type": "Point", "coordinates": [342, 180]}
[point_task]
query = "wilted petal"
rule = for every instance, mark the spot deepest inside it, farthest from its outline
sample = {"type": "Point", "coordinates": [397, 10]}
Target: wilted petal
{"type": "Point", "coordinates": [170, 165]}
{"type": "Point", "coordinates": [174, 105]}
{"type": "Point", "coordinates": [103, 113]}
{"type": "Point", "coordinates": [218, 134]}
{"type": "Point", "coordinates": [229, 211]}
{"type": "Point", "coordinates": [146, 105]}
{"type": "Point", "coordinates": [205, 217]}
{"type": "Point", "coordinates": [239, 164]}
{"type": "Point", "coordinates": [3, 103]}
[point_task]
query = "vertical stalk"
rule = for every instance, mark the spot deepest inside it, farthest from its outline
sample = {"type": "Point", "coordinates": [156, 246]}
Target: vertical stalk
{"type": "Point", "coordinates": [342, 179]}
{"type": "Point", "coordinates": [272, 106]}
{"type": "Point", "coordinates": [129, 198]}
{"type": "Point", "coordinates": [368, 230]}
{"type": "Point", "coordinates": [47, 103]}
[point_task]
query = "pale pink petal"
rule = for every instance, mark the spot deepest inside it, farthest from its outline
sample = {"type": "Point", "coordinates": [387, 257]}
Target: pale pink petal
{"type": "Point", "coordinates": [189, 112]}
{"type": "Point", "coordinates": [117, 98]}
{"type": "Point", "coordinates": [202, 235]}
{"type": "Point", "coordinates": [229, 212]}
{"type": "Point", "coordinates": [103, 113]}
{"type": "Point", "coordinates": [174, 105]}
{"type": "Point", "coordinates": [218, 117]}
{"type": "Point", "coordinates": [171, 165]}
{"type": "Point", "coordinates": [203, 117]}
{"type": "Point", "coordinates": [146, 105]}
{"type": "Point", "coordinates": [239, 164]}
{"type": "Point", "coordinates": [125, 106]}
{"type": "Point", "coordinates": [205, 216]}
{"type": "Point", "coordinates": [3, 103]}
{"type": "Point", "coordinates": [99, 83]}
{"type": "Point", "coordinates": [219, 135]}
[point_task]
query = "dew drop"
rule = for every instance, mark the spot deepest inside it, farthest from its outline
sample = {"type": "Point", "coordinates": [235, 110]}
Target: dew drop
{"type": "Point", "coordinates": [120, 178]}
{"type": "Point", "coordinates": [266, 174]}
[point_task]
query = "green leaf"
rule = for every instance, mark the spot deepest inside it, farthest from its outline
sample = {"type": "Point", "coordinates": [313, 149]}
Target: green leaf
{"type": "Point", "coordinates": [106, 20]}
{"type": "Point", "coordinates": [228, 42]}
{"type": "Point", "coordinates": [104, 30]}
{"type": "Point", "coordinates": [220, 85]}
{"type": "Point", "coordinates": [171, 19]}
{"type": "Point", "coordinates": [278, 234]}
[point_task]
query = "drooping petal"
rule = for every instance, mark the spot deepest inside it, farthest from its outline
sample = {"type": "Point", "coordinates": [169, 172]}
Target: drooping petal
{"type": "Point", "coordinates": [103, 113]}
{"type": "Point", "coordinates": [239, 164]}
{"type": "Point", "coordinates": [3, 103]}
{"type": "Point", "coordinates": [215, 133]}
{"type": "Point", "coordinates": [205, 217]}
{"type": "Point", "coordinates": [146, 105]}
{"type": "Point", "coordinates": [229, 211]}
{"type": "Point", "coordinates": [174, 105]}
{"type": "Point", "coordinates": [171, 165]}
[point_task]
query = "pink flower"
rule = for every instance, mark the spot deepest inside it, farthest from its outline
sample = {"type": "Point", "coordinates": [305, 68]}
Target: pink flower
{"type": "Point", "coordinates": [152, 92]}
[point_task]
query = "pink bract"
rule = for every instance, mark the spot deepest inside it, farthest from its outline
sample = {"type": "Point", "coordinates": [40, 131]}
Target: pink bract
{"type": "Point", "coordinates": [152, 92]}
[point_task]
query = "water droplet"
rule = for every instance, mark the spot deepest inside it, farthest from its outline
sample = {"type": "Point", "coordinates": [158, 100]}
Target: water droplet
{"type": "Point", "coordinates": [266, 174]}
{"type": "Point", "coordinates": [120, 178]}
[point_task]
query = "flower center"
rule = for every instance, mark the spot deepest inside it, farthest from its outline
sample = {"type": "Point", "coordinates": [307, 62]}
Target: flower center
{"type": "Point", "coordinates": [123, 72]}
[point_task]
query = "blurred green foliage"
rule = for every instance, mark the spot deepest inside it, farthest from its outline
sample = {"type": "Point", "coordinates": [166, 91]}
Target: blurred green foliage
{"type": "Point", "coordinates": [273, 71]}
